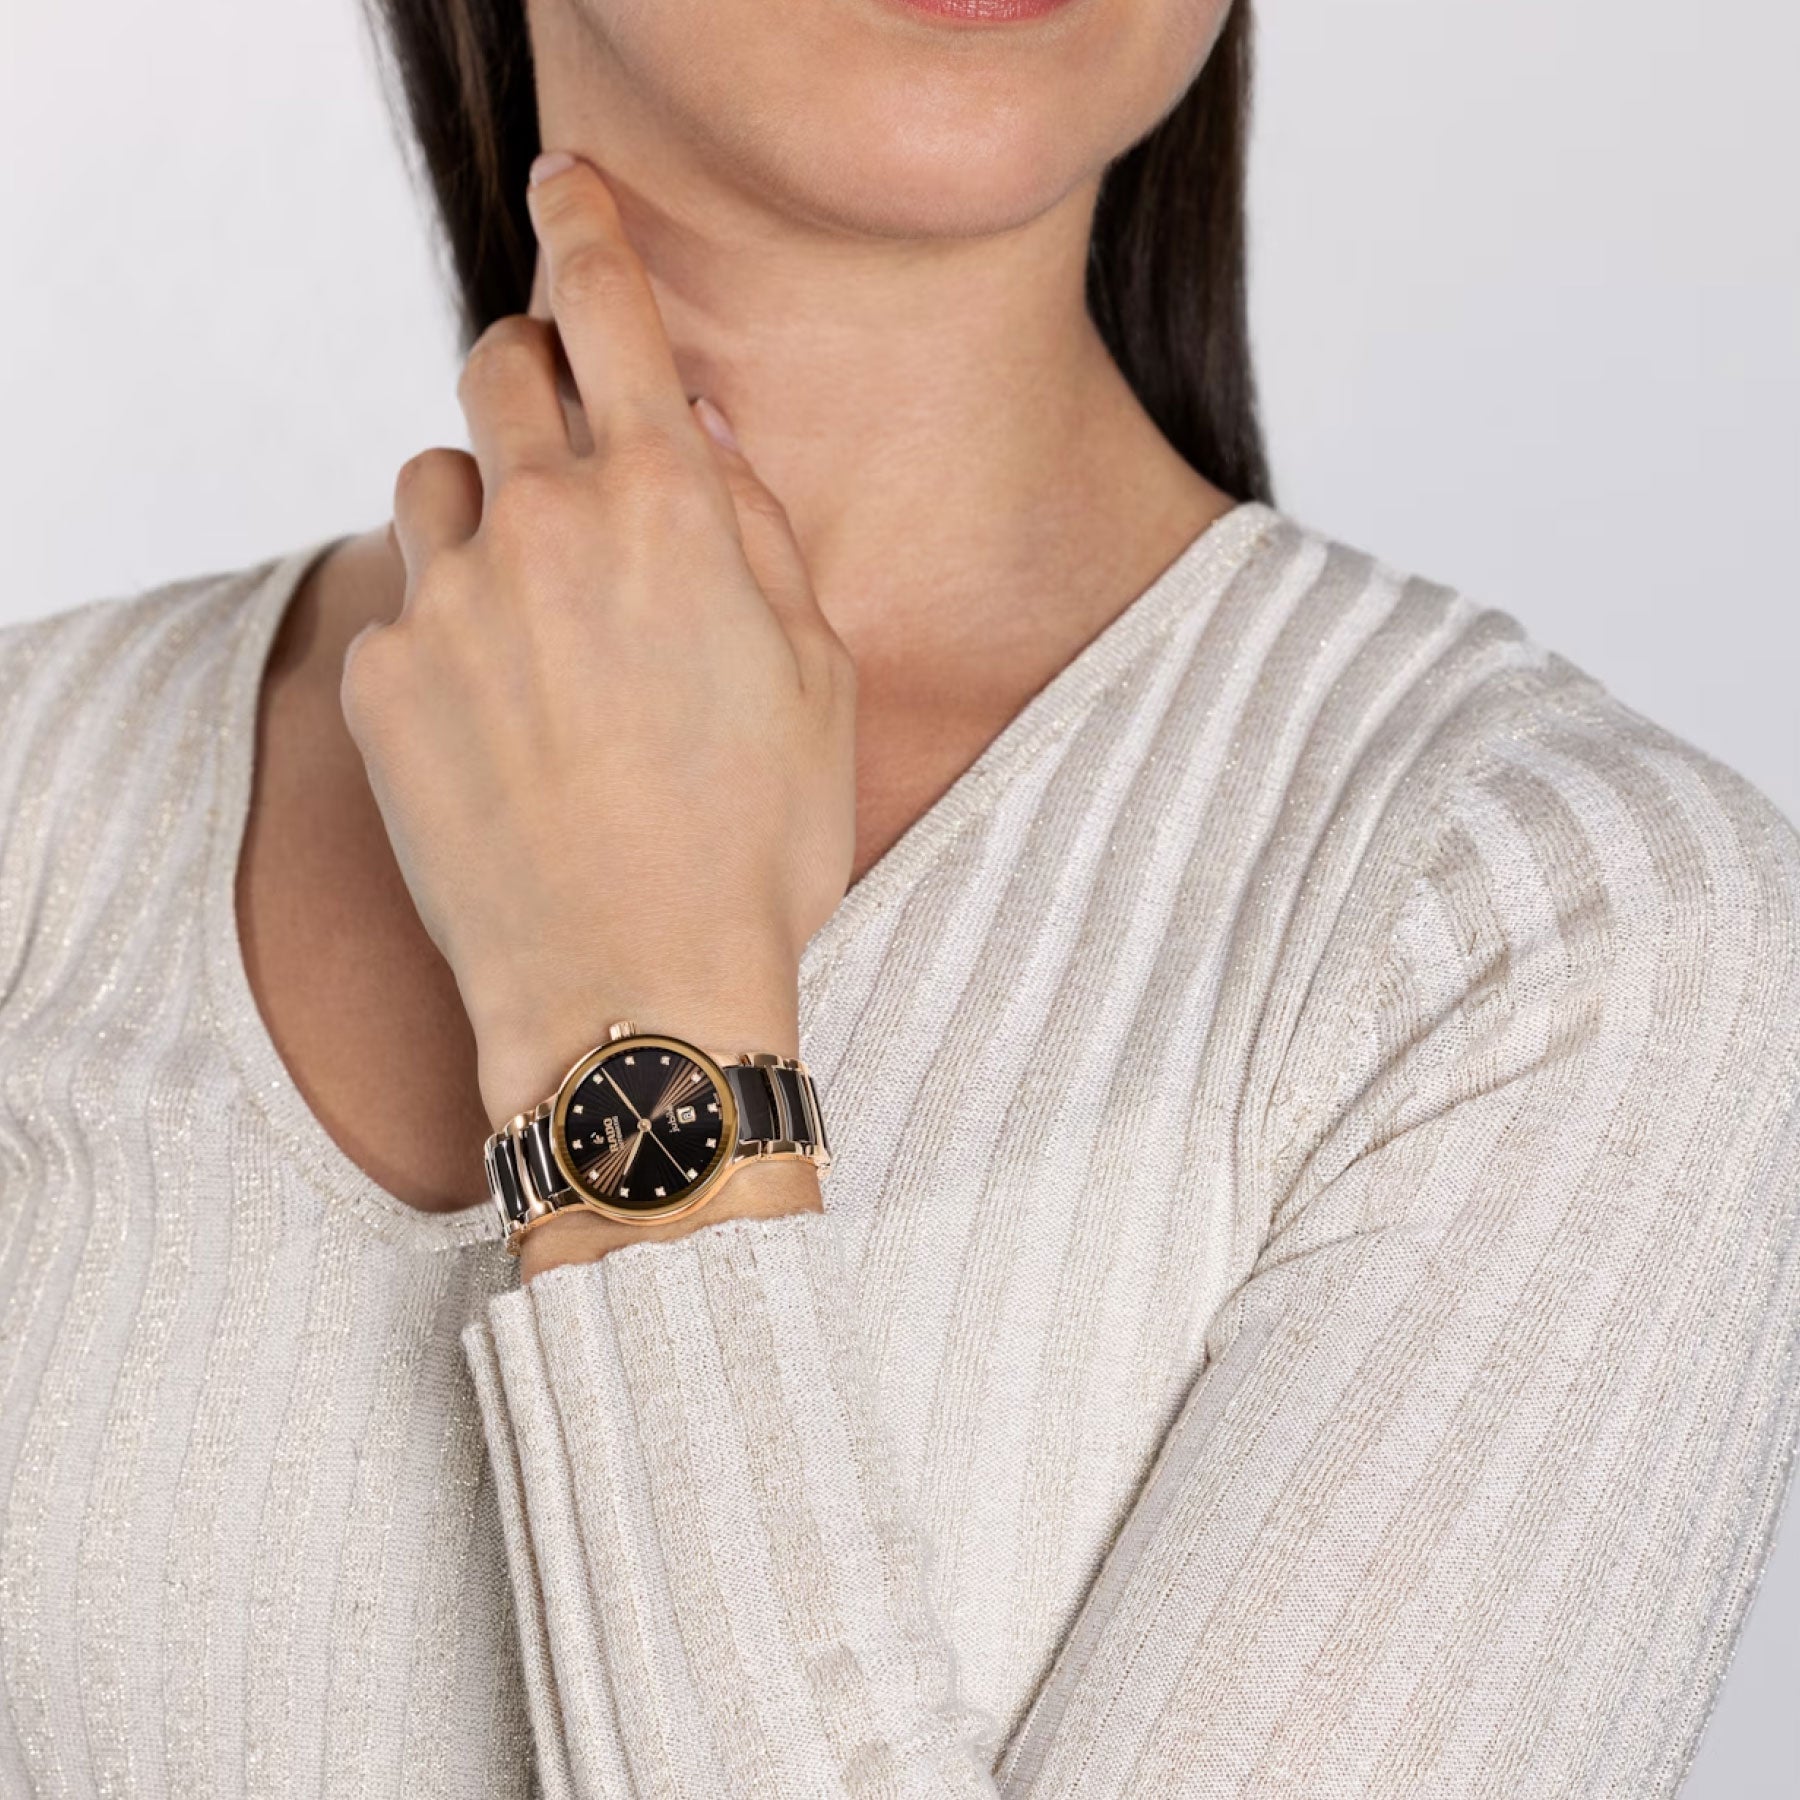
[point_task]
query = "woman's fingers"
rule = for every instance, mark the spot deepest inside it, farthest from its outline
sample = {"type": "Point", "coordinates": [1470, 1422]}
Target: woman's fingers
{"type": "Point", "coordinates": [606, 313]}
{"type": "Point", "coordinates": [771, 549]}
{"type": "Point", "coordinates": [507, 390]}
{"type": "Point", "coordinates": [437, 505]}
{"type": "Point", "coordinates": [581, 440]}
{"type": "Point", "coordinates": [638, 608]}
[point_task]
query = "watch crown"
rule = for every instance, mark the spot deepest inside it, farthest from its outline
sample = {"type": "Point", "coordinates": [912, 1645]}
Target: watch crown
{"type": "Point", "coordinates": [623, 1029]}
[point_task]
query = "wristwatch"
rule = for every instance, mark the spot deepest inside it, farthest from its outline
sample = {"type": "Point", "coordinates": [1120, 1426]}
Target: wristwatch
{"type": "Point", "coordinates": [646, 1127]}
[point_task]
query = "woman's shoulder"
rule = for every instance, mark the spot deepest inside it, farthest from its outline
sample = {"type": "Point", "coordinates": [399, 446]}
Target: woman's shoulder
{"type": "Point", "coordinates": [94, 676]}
{"type": "Point", "coordinates": [1486, 860]}
{"type": "Point", "coordinates": [132, 638]}
{"type": "Point", "coordinates": [114, 711]}
{"type": "Point", "coordinates": [1482, 821]}
{"type": "Point", "coordinates": [1443, 703]}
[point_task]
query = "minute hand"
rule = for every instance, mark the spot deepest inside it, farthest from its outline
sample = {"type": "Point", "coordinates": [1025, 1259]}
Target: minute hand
{"type": "Point", "coordinates": [645, 1118]}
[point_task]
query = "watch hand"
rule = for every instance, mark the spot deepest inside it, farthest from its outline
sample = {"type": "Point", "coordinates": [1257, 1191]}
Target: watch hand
{"type": "Point", "coordinates": [643, 1120]}
{"type": "Point", "coordinates": [615, 1165]}
{"type": "Point", "coordinates": [621, 1093]}
{"type": "Point", "coordinates": [664, 1148]}
{"type": "Point", "coordinates": [631, 1150]}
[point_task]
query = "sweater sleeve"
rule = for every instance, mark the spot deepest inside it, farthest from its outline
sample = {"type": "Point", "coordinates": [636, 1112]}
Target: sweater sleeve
{"type": "Point", "coordinates": [1479, 1473]}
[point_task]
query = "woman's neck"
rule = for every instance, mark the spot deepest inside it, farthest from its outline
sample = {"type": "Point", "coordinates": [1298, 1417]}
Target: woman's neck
{"type": "Point", "coordinates": [939, 416]}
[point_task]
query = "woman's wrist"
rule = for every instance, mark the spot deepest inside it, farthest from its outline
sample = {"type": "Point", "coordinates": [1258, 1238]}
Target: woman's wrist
{"type": "Point", "coordinates": [610, 731]}
{"type": "Point", "coordinates": [524, 1058]}
{"type": "Point", "coordinates": [764, 1187]}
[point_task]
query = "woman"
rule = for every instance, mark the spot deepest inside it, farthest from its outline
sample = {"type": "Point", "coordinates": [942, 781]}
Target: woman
{"type": "Point", "coordinates": [1303, 1294]}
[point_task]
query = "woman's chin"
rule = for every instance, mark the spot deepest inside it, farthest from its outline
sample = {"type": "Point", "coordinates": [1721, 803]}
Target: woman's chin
{"type": "Point", "coordinates": [914, 183]}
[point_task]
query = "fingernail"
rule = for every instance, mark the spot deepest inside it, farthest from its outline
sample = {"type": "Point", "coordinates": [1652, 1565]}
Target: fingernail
{"type": "Point", "coordinates": [717, 425]}
{"type": "Point", "coordinates": [552, 162]}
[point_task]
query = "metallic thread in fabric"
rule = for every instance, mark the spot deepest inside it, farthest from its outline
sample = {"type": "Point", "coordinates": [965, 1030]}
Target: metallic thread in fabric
{"type": "Point", "coordinates": [1307, 1303]}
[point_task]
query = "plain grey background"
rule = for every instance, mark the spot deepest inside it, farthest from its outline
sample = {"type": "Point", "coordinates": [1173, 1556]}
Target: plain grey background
{"type": "Point", "coordinates": [1526, 288]}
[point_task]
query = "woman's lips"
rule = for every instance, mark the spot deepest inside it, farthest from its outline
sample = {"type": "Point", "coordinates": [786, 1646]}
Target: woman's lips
{"type": "Point", "coordinates": [986, 11]}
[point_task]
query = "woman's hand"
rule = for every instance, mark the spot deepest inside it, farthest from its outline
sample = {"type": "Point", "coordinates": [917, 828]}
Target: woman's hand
{"type": "Point", "coordinates": [610, 731]}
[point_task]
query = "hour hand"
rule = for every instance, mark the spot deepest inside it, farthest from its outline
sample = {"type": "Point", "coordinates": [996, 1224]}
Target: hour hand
{"type": "Point", "coordinates": [606, 1172]}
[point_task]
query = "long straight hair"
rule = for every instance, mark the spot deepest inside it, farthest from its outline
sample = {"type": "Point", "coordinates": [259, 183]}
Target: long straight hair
{"type": "Point", "coordinates": [1166, 268]}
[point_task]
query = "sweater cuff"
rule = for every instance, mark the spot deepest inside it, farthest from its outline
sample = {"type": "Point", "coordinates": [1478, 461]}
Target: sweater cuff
{"type": "Point", "coordinates": [718, 1584]}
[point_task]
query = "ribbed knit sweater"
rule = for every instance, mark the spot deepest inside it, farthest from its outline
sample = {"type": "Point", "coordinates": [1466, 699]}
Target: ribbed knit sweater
{"type": "Point", "coordinates": [1306, 1304]}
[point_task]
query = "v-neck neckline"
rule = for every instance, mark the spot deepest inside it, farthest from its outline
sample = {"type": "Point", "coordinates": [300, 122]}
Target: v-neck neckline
{"type": "Point", "coordinates": [1195, 577]}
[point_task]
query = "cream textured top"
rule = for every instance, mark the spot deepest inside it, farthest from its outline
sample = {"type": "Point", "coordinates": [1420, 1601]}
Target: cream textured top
{"type": "Point", "coordinates": [1307, 1302]}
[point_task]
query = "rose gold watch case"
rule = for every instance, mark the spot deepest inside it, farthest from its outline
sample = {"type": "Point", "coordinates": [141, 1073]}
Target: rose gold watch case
{"type": "Point", "coordinates": [726, 1158]}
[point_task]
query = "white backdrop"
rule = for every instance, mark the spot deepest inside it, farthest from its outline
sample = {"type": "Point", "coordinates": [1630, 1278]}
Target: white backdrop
{"type": "Point", "coordinates": [1527, 300]}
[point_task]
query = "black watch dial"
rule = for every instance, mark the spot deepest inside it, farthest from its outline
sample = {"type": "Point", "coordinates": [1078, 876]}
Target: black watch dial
{"type": "Point", "coordinates": [644, 1127]}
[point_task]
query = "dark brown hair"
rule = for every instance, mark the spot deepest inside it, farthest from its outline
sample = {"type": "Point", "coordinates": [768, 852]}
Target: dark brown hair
{"type": "Point", "coordinates": [1166, 273]}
